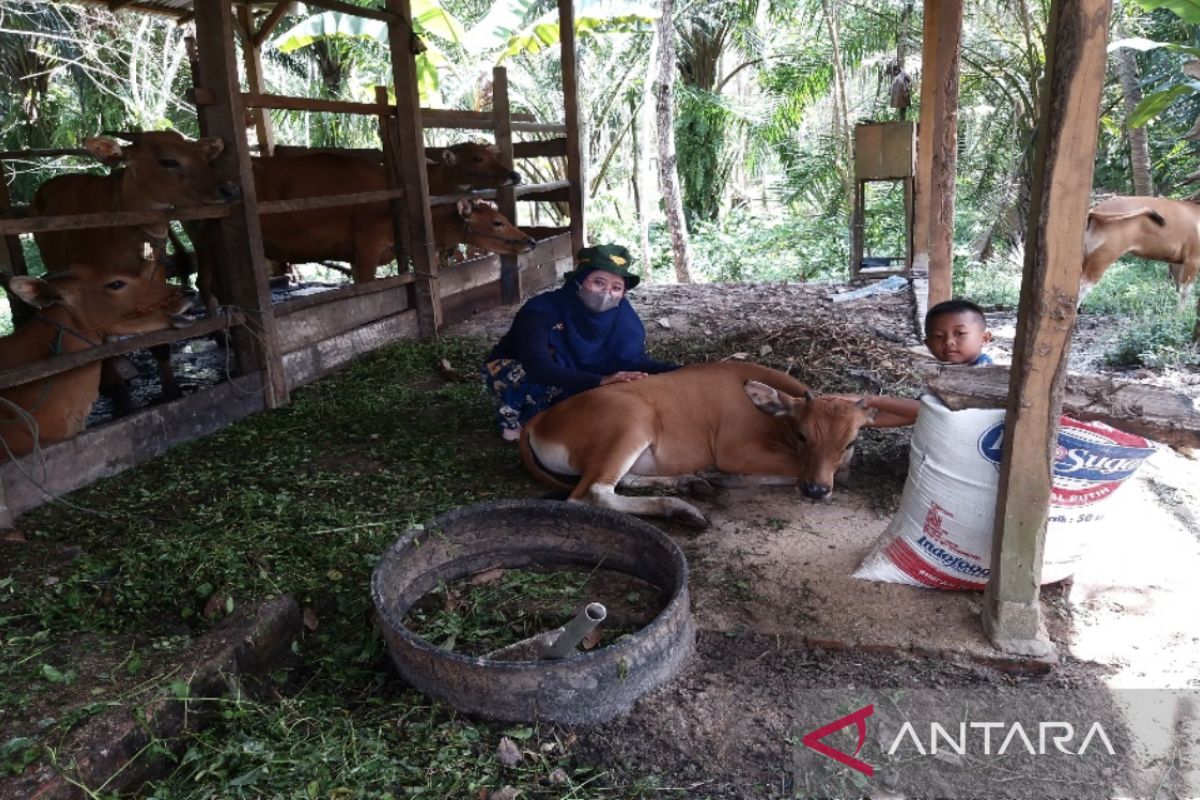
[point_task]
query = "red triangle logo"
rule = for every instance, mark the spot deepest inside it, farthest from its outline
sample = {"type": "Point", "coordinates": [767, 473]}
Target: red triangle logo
{"type": "Point", "coordinates": [813, 739]}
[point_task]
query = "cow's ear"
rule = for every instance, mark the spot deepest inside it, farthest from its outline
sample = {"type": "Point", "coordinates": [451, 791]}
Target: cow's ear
{"type": "Point", "coordinates": [466, 208]}
{"type": "Point", "coordinates": [448, 157]}
{"type": "Point", "coordinates": [211, 146]}
{"type": "Point", "coordinates": [768, 400]}
{"type": "Point", "coordinates": [105, 150]}
{"type": "Point", "coordinates": [34, 291]}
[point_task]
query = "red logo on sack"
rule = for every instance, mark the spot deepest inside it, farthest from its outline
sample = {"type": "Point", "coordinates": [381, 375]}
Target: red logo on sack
{"type": "Point", "coordinates": [813, 739]}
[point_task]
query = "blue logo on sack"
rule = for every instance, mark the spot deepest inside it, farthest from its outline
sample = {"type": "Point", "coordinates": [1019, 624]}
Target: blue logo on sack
{"type": "Point", "coordinates": [990, 443]}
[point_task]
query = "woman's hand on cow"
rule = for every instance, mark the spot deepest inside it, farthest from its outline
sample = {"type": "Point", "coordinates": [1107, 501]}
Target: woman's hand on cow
{"type": "Point", "coordinates": [623, 377]}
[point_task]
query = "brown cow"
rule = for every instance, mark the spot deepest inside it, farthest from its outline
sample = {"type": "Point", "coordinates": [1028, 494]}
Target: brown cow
{"type": "Point", "coordinates": [664, 430]}
{"type": "Point", "coordinates": [1151, 227]}
{"type": "Point", "coordinates": [162, 170]}
{"type": "Point", "coordinates": [361, 234]}
{"type": "Point", "coordinates": [80, 307]}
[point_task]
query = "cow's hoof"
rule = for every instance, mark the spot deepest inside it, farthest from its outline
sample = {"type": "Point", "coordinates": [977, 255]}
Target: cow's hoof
{"type": "Point", "coordinates": [695, 485]}
{"type": "Point", "coordinates": [690, 517]}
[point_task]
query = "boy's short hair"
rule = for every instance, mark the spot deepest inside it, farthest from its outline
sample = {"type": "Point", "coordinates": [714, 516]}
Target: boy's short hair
{"type": "Point", "coordinates": [947, 307]}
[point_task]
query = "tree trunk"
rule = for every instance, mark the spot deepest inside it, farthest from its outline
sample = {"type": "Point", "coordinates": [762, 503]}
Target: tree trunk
{"type": "Point", "coordinates": [668, 176]}
{"type": "Point", "coordinates": [841, 105]}
{"type": "Point", "coordinates": [1139, 148]}
{"type": "Point", "coordinates": [642, 154]}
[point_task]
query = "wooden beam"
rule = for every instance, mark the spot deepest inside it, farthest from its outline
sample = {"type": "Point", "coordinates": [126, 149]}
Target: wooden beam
{"type": "Point", "coordinates": [506, 199]}
{"type": "Point", "coordinates": [258, 100]}
{"type": "Point", "coordinates": [409, 129]}
{"type": "Point", "coordinates": [240, 246]}
{"type": "Point", "coordinates": [277, 14]}
{"type": "Point", "coordinates": [328, 201]}
{"type": "Point", "coordinates": [1063, 163]}
{"type": "Point", "coordinates": [575, 151]}
{"type": "Point", "coordinates": [353, 10]}
{"type": "Point", "coordinates": [73, 222]}
{"type": "Point", "coordinates": [12, 258]}
{"type": "Point", "coordinates": [252, 59]}
{"type": "Point", "coordinates": [1150, 411]}
{"type": "Point", "coordinates": [547, 148]}
{"type": "Point", "coordinates": [340, 293]}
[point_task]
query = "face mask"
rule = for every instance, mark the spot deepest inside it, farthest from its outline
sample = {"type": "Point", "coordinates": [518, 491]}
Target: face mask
{"type": "Point", "coordinates": [597, 302]}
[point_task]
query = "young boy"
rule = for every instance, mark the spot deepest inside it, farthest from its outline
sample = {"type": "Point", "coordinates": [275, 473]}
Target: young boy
{"type": "Point", "coordinates": [955, 332]}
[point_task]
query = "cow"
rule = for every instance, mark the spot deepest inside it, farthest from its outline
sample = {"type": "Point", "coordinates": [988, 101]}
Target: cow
{"type": "Point", "coordinates": [361, 234]}
{"type": "Point", "coordinates": [1151, 227]}
{"type": "Point", "coordinates": [458, 168]}
{"type": "Point", "coordinates": [665, 430]}
{"type": "Point", "coordinates": [161, 170]}
{"type": "Point", "coordinates": [78, 309]}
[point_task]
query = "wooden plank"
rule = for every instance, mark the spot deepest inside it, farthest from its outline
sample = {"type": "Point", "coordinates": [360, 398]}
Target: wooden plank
{"type": "Point", "coordinates": [432, 116]}
{"type": "Point", "coordinates": [926, 128]}
{"type": "Point", "coordinates": [546, 148]}
{"type": "Point", "coordinates": [71, 222]}
{"type": "Point", "coordinates": [541, 127]}
{"type": "Point", "coordinates": [272, 19]}
{"type": "Point", "coordinates": [409, 130]}
{"type": "Point", "coordinates": [328, 201]}
{"type": "Point", "coordinates": [547, 263]}
{"type": "Point", "coordinates": [109, 449]}
{"type": "Point", "coordinates": [52, 366]}
{"type": "Point", "coordinates": [321, 358]}
{"type": "Point", "coordinates": [575, 151]}
{"type": "Point", "coordinates": [1063, 163]}
{"type": "Point", "coordinates": [12, 258]}
{"type": "Point", "coordinates": [347, 8]}
{"type": "Point", "coordinates": [240, 248]}
{"type": "Point", "coordinates": [506, 199]}
{"type": "Point", "coordinates": [1150, 411]}
{"type": "Point", "coordinates": [470, 274]}
{"type": "Point", "coordinates": [342, 292]}
{"type": "Point", "coordinates": [327, 320]}
{"type": "Point", "coordinates": [252, 59]}
{"type": "Point", "coordinates": [259, 100]}
{"type": "Point", "coordinates": [531, 195]}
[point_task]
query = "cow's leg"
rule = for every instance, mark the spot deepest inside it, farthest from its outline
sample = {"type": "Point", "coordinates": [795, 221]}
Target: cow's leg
{"type": "Point", "coordinates": [1184, 277]}
{"type": "Point", "coordinates": [604, 495]}
{"type": "Point", "coordinates": [113, 386]}
{"type": "Point", "coordinates": [170, 388]}
{"type": "Point", "coordinates": [692, 484]}
{"type": "Point", "coordinates": [1100, 252]}
{"type": "Point", "coordinates": [726, 480]}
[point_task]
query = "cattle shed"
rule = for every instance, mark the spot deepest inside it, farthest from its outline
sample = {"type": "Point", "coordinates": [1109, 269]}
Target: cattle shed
{"type": "Point", "coordinates": [281, 347]}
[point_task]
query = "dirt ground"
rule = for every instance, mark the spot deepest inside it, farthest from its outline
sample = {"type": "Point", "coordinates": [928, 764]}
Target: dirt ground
{"type": "Point", "coordinates": [771, 583]}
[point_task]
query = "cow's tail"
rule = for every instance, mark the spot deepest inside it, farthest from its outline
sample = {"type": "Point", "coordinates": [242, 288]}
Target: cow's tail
{"type": "Point", "coordinates": [530, 460]}
{"type": "Point", "coordinates": [1140, 211]}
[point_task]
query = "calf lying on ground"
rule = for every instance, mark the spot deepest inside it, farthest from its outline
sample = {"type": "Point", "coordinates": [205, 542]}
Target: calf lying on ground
{"type": "Point", "coordinates": [1150, 227]}
{"type": "Point", "coordinates": [734, 417]}
{"type": "Point", "coordinates": [79, 308]}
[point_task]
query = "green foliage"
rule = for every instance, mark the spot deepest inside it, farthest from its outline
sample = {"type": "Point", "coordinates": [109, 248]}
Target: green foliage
{"type": "Point", "coordinates": [704, 165]}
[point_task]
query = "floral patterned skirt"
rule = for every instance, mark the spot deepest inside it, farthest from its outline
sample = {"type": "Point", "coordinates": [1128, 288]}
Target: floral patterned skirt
{"type": "Point", "coordinates": [515, 398]}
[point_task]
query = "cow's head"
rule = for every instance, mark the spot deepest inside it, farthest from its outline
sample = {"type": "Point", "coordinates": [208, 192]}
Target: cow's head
{"type": "Point", "coordinates": [474, 165]}
{"type": "Point", "coordinates": [486, 228]}
{"type": "Point", "coordinates": [104, 302]}
{"type": "Point", "coordinates": [824, 429]}
{"type": "Point", "coordinates": [166, 169]}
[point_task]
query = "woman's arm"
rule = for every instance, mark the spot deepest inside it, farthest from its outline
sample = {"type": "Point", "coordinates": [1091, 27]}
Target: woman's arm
{"type": "Point", "coordinates": [532, 337]}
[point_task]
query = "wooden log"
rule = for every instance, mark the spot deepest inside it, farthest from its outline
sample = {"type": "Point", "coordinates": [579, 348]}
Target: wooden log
{"type": "Point", "coordinates": [258, 100]}
{"type": "Point", "coordinates": [575, 150]}
{"type": "Point", "coordinates": [240, 236]}
{"type": "Point", "coordinates": [506, 199]}
{"type": "Point", "coordinates": [52, 366]}
{"type": "Point", "coordinates": [108, 449]}
{"type": "Point", "coordinates": [408, 128]}
{"type": "Point", "coordinates": [71, 222]}
{"type": "Point", "coordinates": [328, 201]}
{"type": "Point", "coordinates": [1063, 163]}
{"type": "Point", "coordinates": [1150, 411]}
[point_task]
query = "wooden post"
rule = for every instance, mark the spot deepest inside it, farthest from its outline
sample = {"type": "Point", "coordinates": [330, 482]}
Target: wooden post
{"type": "Point", "coordinates": [575, 171]}
{"type": "Point", "coordinates": [12, 258]}
{"type": "Point", "coordinates": [1066, 151]}
{"type": "Point", "coordinates": [857, 223]}
{"type": "Point", "coordinates": [937, 137]}
{"type": "Point", "coordinates": [389, 137]}
{"type": "Point", "coordinates": [252, 56]}
{"type": "Point", "coordinates": [240, 237]}
{"type": "Point", "coordinates": [506, 198]}
{"type": "Point", "coordinates": [402, 41]}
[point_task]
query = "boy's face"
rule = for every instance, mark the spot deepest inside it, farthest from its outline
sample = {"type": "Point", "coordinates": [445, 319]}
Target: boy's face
{"type": "Point", "coordinates": [957, 338]}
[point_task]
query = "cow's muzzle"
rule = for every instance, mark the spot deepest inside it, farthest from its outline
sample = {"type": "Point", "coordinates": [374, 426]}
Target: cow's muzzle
{"type": "Point", "coordinates": [816, 491]}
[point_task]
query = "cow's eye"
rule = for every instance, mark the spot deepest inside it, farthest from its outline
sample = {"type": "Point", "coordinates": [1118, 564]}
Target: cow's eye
{"type": "Point", "coordinates": [115, 285]}
{"type": "Point", "coordinates": [801, 437]}
{"type": "Point", "coordinates": [478, 159]}
{"type": "Point", "coordinates": [169, 163]}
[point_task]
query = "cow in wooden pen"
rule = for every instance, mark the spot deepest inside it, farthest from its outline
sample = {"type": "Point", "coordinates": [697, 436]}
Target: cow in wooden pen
{"type": "Point", "coordinates": [665, 430]}
{"type": "Point", "coordinates": [78, 309]}
{"type": "Point", "coordinates": [1151, 227]}
{"type": "Point", "coordinates": [361, 234]}
{"type": "Point", "coordinates": [159, 170]}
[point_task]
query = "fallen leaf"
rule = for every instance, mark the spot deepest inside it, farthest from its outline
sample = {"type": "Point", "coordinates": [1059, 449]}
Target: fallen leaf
{"type": "Point", "coordinates": [592, 639]}
{"type": "Point", "coordinates": [558, 776]}
{"type": "Point", "coordinates": [14, 535]}
{"type": "Point", "coordinates": [214, 607]}
{"type": "Point", "coordinates": [507, 793]}
{"type": "Point", "coordinates": [452, 600]}
{"type": "Point", "coordinates": [765, 350]}
{"type": "Point", "coordinates": [507, 752]}
{"type": "Point", "coordinates": [309, 618]}
{"type": "Point", "coordinates": [487, 576]}
{"type": "Point", "coordinates": [664, 322]}
{"type": "Point", "coordinates": [740, 356]}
